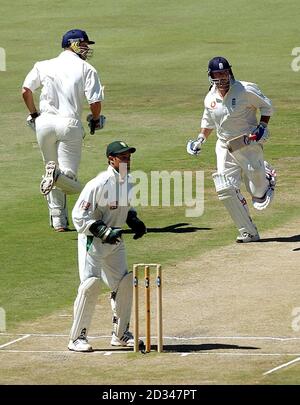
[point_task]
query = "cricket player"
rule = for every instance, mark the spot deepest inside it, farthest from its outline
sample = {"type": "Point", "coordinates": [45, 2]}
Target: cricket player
{"type": "Point", "coordinates": [231, 108]}
{"type": "Point", "coordinates": [103, 207]}
{"type": "Point", "coordinates": [66, 81]}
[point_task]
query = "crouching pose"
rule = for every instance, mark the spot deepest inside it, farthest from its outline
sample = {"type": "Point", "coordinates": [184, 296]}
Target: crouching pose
{"type": "Point", "coordinates": [230, 107]}
{"type": "Point", "coordinates": [98, 215]}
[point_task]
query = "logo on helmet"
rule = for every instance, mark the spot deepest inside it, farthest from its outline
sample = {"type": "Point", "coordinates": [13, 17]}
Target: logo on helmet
{"type": "Point", "coordinates": [78, 41]}
{"type": "Point", "coordinates": [220, 73]}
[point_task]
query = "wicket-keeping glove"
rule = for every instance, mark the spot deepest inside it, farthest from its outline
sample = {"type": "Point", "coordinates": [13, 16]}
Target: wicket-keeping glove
{"type": "Point", "coordinates": [193, 147]}
{"type": "Point", "coordinates": [97, 124]}
{"type": "Point", "coordinates": [106, 233]}
{"type": "Point", "coordinates": [260, 133]}
{"type": "Point", "coordinates": [138, 226]}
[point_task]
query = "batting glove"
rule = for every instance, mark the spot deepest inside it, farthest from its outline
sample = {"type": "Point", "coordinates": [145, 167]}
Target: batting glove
{"type": "Point", "coordinates": [31, 120]}
{"type": "Point", "coordinates": [194, 147]}
{"type": "Point", "coordinates": [260, 133]}
{"type": "Point", "coordinates": [95, 124]}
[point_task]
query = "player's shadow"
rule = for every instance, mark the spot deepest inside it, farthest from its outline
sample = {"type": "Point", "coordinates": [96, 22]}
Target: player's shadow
{"type": "Point", "coordinates": [189, 348]}
{"type": "Point", "coordinates": [296, 250]}
{"type": "Point", "coordinates": [294, 238]}
{"type": "Point", "coordinates": [113, 349]}
{"type": "Point", "coordinates": [184, 348]}
{"type": "Point", "coordinates": [175, 228]}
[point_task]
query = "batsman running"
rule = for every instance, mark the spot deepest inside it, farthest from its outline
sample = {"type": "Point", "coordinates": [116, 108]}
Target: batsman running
{"type": "Point", "coordinates": [102, 208]}
{"type": "Point", "coordinates": [231, 108]}
{"type": "Point", "coordinates": [66, 81]}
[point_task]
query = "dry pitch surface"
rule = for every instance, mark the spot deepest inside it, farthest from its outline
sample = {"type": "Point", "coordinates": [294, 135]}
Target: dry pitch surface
{"type": "Point", "coordinates": [228, 319]}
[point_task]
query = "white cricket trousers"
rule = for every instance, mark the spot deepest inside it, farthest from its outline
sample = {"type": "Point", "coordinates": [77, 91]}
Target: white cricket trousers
{"type": "Point", "coordinates": [247, 164]}
{"type": "Point", "coordinates": [102, 260]}
{"type": "Point", "coordinates": [107, 262]}
{"type": "Point", "coordinates": [60, 140]}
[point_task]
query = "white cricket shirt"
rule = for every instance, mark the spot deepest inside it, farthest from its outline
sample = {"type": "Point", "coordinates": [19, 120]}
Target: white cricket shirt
{"type": "Point", "coordinates": [105, 198]}
{"type": "Point", "coordinates": [66, 81]}
{"type": "Point", "coordinates": [235, 114]}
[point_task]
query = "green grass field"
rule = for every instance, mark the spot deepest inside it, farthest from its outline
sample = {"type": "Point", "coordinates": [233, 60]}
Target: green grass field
{"type": "Point", "coordinates": [152, 58]}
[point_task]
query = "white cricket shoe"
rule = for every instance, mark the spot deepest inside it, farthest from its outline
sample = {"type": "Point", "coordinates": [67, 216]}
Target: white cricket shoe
{"type": "Point", "coordinates": [49, 178]}
{"type": "Point", "coordinates": [80, 345]}
{"type": "Point", "coordinates": [126, 340]}
{"type": "Point", "coordinates": [246, 238]}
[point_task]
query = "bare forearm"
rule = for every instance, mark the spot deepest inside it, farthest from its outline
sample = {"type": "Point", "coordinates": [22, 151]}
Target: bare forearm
{"type": "Point", "coordinates": [28, 100]}
{"type": "Point", "coordinates": [205, 132]}
{"type": "Point", "coordinates": [95, 109]}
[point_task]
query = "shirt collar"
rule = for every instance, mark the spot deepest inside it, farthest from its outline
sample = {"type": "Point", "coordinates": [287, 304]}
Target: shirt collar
{"type": "Point", "coordinates": [68, 54]}
{"type": "Point", "coordinates": [114, 172]}
{"type": "Point", "coordinates": [216, 92]}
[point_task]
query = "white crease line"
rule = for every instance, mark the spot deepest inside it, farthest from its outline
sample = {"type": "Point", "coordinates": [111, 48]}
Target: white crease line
{"type": "Point", "coordinates": [282, 366]}
{"type": "Point", "coordinates": [109, 353]}
{"type": "Point", "coordinates": [71, 353]}
{"type": "Point", "coordinates": [38, 351]}
{"type": "Point", "coordinates": [165, 337]}
{"type": "Point", "coordinates": [235, 354]}
{"type": "Point", "coordinates": [34, 334]}
{"type": "Point", "coordinates": [233, 337]}
{"type": "Point", "coordinates": [51, 335]}
{"type": "Point", "coordinates": [14, 341]}
{"type": "Point", "coordinates": [246, 354]}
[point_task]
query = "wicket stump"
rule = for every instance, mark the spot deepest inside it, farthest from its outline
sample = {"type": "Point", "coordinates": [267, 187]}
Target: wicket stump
{"type": "Point", "coordinates": [147, 268]}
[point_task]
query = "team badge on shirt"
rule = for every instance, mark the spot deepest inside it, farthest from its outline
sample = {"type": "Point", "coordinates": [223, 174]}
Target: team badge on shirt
{"type": "Point", "coordinates": [233, 102]}
{"type": "Point", "coordinates": [213, 104]}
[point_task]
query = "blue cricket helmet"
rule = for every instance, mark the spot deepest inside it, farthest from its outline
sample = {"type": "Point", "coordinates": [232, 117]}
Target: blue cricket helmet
{"type": "Point", "coordinates": [74, 35]}
{"type": "Point", "coordinates": [217, 64]}
{"type": "Point", "coordinates": [220, 64]}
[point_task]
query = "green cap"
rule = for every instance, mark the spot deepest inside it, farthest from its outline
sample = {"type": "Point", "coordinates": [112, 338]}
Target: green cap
{"type": "Point", "coordinates": [117, 147]}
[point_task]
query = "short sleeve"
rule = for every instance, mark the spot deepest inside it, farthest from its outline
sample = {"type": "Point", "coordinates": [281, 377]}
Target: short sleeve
{"type": "Point", "coordinates": [93, 89]}
{"type": "Point", "coordinates": [32, 80]}
{"type": "Point", "coordinates": [259, 100]}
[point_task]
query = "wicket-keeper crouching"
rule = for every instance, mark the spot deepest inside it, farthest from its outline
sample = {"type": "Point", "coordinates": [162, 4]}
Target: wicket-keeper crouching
{"type": "Point", "coordinates": [99, 213]}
